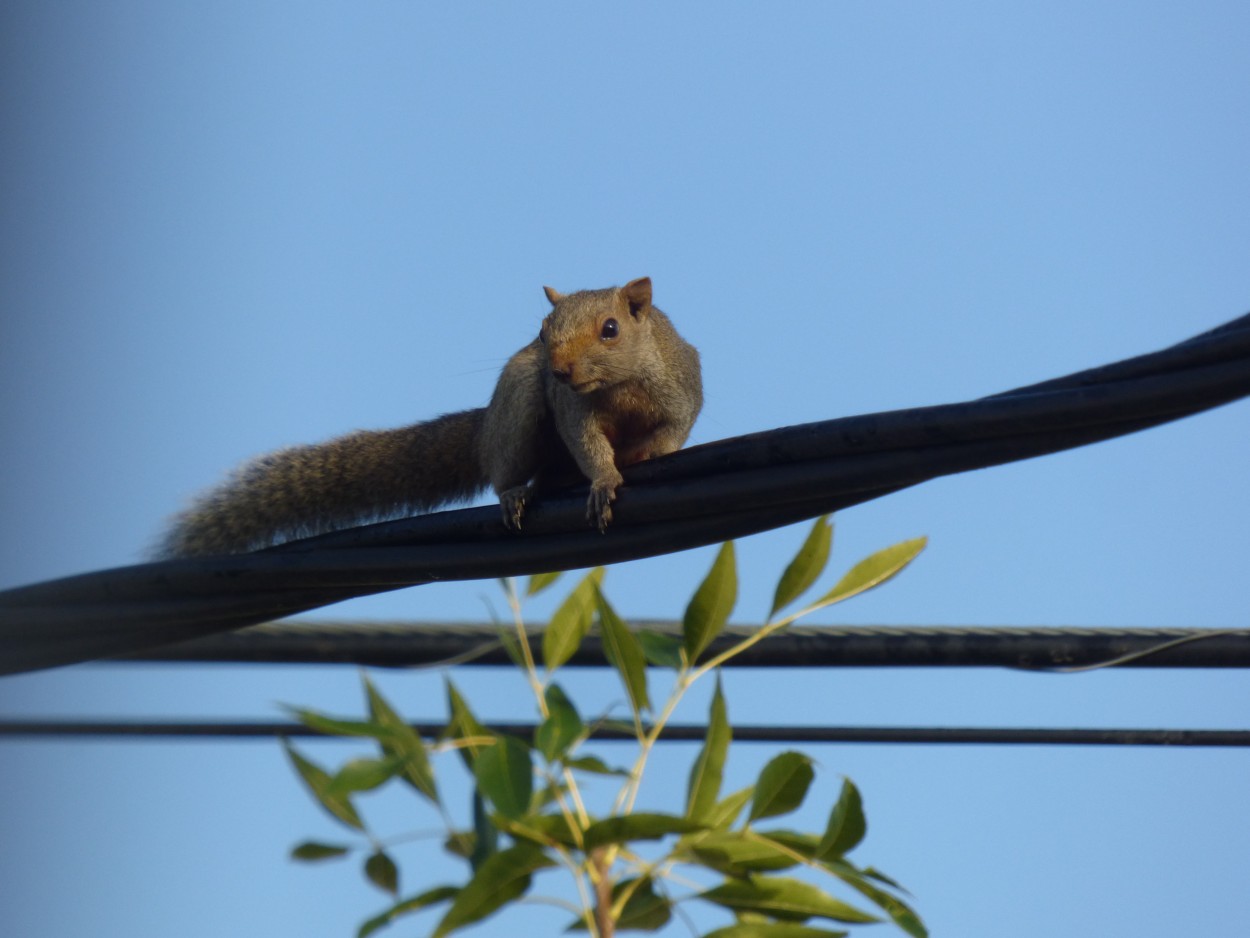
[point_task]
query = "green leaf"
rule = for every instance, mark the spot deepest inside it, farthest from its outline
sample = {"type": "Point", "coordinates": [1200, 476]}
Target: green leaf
{"type": "Point", "coordinates": [705, 775]}
{"type": "Point", "coordinates": [639, 826]}
{"type": "Point", "coordinates": [363, 775]}
{"type": "Point", "coordinates": [502, 878]}
{"type": "Point", "coordinates": [783, 898]}
{"type": "Point", "coordinates": [782, 785]}
{"type": "Point", "coordinates": [621, 647]}
{"type": "Point", "coordinates": [511, 643]}
{"type": "Point", "coordinates": [460, 844]}
{"type": "Point", "coordinates": [402, 742]}
{"type": "Point", "coordinates": [644, 910]}
{"type": "Point", "coordinates": [661, 649]}
{"type": "Point", "coordinates": [774, 930]}
{"type": "Point", "coordinates": [333, 726]}
{"type": "Point", "coordinates": [571, 621]}
{"type": "Point", "coordinates": [318, 782]}
{"type": "Point", "coordinates": [310, 851]}
{"type": "Point", "coordinates": [738, 853]}
{"type": "Point", "coordinates": [382, 872]}
{"type": "Point", "coordinates": [875, 570]}
{"type": "Point", "coordinates": [712, 603]}
{"type": "Point", "coordinates": [806, 567]}
{"type": "Point", "coordinates": [562, 728]}
{"type": "Point", "coordinates": [485, 834]}
{"type": "Point", "coordinates": [880, 877]}
{"type": "Point", "coordinates": [414, 904]}
{"type": "Point", "coordinates": [540, 581]}
{"type": "Point", "coordinates": [726, 811]}
{"type": "Point", "coordinates": [846, 826]}
{"type": "Point", "coordinates": [899, 911]}
{"type": "Point", "coordinates": [594, 765]}
{"type": "Point", "coordinates": [462, 724]}
{"type": "Point", "coordinates": [542, 829]}
{"type": "Point", "coordinates": [505, 775]}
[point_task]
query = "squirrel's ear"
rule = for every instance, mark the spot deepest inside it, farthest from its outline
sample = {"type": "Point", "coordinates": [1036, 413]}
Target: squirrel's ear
{"type": "Point", "coordinates": [638, 294]}
{"type": "Point", "coordinates": [553, 295]}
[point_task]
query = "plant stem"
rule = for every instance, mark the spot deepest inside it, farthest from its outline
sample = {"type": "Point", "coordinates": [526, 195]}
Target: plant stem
{"type": "Point", "coordinates": [603, 894]}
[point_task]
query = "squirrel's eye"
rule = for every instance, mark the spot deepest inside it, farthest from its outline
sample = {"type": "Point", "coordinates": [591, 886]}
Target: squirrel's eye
{"type": "Point", "coordinates": [610, 329]}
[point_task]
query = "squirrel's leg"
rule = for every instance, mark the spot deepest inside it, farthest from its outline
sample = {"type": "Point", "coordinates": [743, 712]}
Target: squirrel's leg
{"type": "Point", "coordinates": [513, 432]}
{"type": "Point", "coordinates": [593, 452]}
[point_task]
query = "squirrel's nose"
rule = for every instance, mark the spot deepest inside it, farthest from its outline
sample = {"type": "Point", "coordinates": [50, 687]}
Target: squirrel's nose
{"type": "Point", "coordinates": [564, 374]}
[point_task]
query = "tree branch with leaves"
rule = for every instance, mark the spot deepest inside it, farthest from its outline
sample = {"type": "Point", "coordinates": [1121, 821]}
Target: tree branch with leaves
{"type": "Point", "coordinates": [631, 870]}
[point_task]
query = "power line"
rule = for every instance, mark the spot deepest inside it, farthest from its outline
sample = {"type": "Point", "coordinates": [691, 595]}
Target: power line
{"type": "Point", "coordinates": [699, 496]}
{"type": "Point", "coordinates": [432, 643]}
{"type": "Point", "coordinates": [140, 729]}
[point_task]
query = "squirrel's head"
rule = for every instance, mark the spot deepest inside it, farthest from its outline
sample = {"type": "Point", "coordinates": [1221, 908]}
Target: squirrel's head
{"type": "Point", "coordinates": [586, 334]}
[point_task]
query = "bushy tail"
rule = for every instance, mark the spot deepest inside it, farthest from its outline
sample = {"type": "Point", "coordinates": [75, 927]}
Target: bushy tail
{"type": "Point", "coordinates": [365, 476]}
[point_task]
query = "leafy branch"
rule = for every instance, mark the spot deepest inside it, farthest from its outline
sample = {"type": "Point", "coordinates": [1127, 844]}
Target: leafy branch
{"type": "Point", "coordinates": [530, 813]}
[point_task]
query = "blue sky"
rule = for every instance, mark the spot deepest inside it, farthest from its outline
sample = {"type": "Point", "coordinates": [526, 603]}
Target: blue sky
{"type": "Point", "coordinates": [231, 227]}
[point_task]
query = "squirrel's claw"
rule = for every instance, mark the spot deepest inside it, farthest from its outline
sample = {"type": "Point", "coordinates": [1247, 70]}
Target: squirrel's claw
{"type": "Point", "coordinates": [599, 505]}
{"type": "Point", "coordinates": [512, 503]}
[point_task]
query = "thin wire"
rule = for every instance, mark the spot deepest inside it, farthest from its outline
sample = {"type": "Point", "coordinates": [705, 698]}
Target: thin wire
{"type": "Point", "coordinates": [139, 729]}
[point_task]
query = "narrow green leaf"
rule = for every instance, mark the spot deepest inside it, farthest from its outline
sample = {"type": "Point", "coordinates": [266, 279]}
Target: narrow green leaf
{"type": "Point", "coordinates": [899, 911]}
{"type": "Point", "coordinates": [774, 930]}
{"type": "Point", "coordinates": [511, 643]}
{"type": "Point", "coordinates": [880, 877]}
{"type": "Point", "coordinates": [705, 775]}
{"type": "Point", "coordinates": [542, 829]}
{"type": "Point", "coordinates": [363, 775]}
{"type": "Point", "coordinates": [334, 726]}
{"type": "Point", "coordinates": [571, 621]}
{"type": "Point", "coordinates": [806, 567]}
{"type": "Point", "coordinates": [594, 765]}
{"type": "Point", "coordinates": [502, 878]}
{"type": "Point", "coordinates": [462, 724]}
{"type": "Point", "coordinates": [712, 603]}
{"type": "Point", "coordinates": [402, 742]}
{"type": "Point", "coordinates": [561, 729]}
{"type": "Point", "coordinates": [414, 904]}
{"type": "Point", "coordinates": [737, 853]}
{"type": "Point", "coordinates": [540, 581]}
{"type": "Point", "coordinates": [644, 910]}
{"type": "Point", "coordinates": [726, 811]}
{"type": "Point", "coordinates": [318, 781]}
{"type": "Point", "coordinates": [640, 826]}
{"type": "Point", "coordinates": [782, 785]}
{"type": "Point", "coordinates": [485, 833]}
{"type": "Point", "coordinates": [310, 851]}
{"type": "Point", "coordinates": [661, 649]}
{"type": "Point", "coordinates": [875, 570]}
{"type": "Point", "coordinates": [505, 775]}
{"type": "Point", "coordinates": [460, 844]}
{"type": "Point", "coordinates": [846, 826]}
{"type": "Point", "coordinates": [783, 898]}
{"type": "Point", "coordinates": [621, 647]}
{"type": "Point", "coordinates": [382, 872]}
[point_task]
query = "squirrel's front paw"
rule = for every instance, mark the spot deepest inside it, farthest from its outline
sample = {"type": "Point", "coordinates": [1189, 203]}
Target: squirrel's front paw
{"type": "Point", "coordinates": [599, 505]}
{"type": "Point", "coordinates": [512, 502]}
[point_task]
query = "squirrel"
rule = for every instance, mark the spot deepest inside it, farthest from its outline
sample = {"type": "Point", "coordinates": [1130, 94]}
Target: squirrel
{"type": "Point", "coordinates": [607, 382]}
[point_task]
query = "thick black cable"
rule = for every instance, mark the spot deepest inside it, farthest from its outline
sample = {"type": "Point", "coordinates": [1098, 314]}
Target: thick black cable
{"type": "Point", "coordinates": [427, 644]}
{"type": "Point", "coordinates": [684, 500]}
{"type": "Point", "coordinates": [139, 729]}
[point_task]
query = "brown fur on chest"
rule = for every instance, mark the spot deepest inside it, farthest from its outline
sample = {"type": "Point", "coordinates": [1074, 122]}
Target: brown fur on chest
{"type": "Point", "coordinates": [629, 420]}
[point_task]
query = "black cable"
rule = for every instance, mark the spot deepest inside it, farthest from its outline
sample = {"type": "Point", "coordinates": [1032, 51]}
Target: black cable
{"type": "Point", "coordinates": [433, 643]}
{"type": "Point", "coordinates": [685, 500]}
{"type": "Point", "coordinates": [140, 729]}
